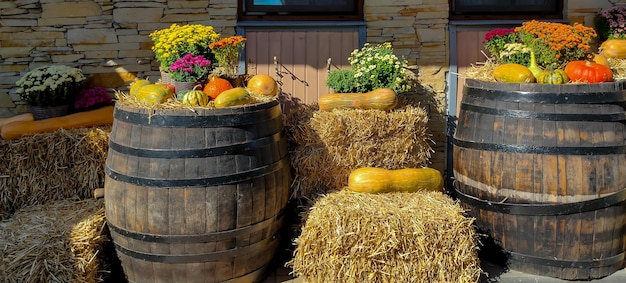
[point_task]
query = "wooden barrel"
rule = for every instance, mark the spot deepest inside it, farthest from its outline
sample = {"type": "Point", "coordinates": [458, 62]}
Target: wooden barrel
{"type": "Point", "coordinates": [197, 196]}
{"type": "Point", "coordinates": [542, 168]}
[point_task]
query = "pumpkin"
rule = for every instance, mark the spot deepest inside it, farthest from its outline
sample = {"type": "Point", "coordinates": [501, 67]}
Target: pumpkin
{"type": "Point", "coordinates": [513, 73]}
{"type": "Point", "coordinates": [553, 77]}
{"type": "Point", "coordinates": [533, 67]}
{"type": "Point", "coordinates": [215, 86]}
{"type": "Point", "coordinates": [379, 180]}
{"type": "Point", "coordinates": [15, 118]}
{"type": "Point", "coordinates": [588, 72]}
{"type": "Point", "coordinates": [233, 97]}
{"type": "Point", "coordinates": [613, 48]}
{"type": "Point", "coordinates": [262, 84]}
{"type": "Point", "coordinates": [152, 94]}
{"type": "Point", "coordinates": [195, 98]}
{"type": "Point", "coordinates": [382, 99]}
{"type": "Point", "coordinates": [97, 117]}
{"type": "Point", "coordinates": [136, 85]}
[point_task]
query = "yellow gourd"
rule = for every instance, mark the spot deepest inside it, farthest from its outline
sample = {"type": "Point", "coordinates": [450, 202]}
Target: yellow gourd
{"type": "Point", "coordinates": [97, 117]}
{"type": "Point", "coordinates": [382, 99]}
{"type": "Point", "coordinates": [533, 67]}
{"type": "Point", "coordinates": [513, 73]}
{"type": "Point", "coordinates": [233, 97]}
{"type": "Point", "coordinates": [379, 180]}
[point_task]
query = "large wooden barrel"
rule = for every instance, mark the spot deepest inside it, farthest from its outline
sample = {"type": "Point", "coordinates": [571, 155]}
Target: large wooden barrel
{"type": "Point", "coordinates": [542, 168]}
{"type": "Point", "coordinates": [197, 196]}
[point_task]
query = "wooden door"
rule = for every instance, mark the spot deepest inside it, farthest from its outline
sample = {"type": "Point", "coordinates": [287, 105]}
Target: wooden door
{"type": "Point", "coordinates": [299, 60]}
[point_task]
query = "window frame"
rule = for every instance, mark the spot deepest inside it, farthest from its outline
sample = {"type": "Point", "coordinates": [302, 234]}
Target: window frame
{"type": "Point", "coordinates": [301, 12]}
{"type": "Point", "coordinates": [557, 14]}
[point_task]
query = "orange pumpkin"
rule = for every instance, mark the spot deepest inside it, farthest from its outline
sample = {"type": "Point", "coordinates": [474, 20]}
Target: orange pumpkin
{"type": "Point", "coordinates": [588, 72]}
{"type": "Point", "coordinates": [215, 86]}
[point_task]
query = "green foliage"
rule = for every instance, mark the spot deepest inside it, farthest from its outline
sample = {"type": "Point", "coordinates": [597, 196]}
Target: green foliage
{"type": "Point", "coordinates": [341, 81]}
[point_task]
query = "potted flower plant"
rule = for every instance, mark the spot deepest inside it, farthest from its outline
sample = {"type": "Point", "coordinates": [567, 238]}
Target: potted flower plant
{"type": "Point", "coordinates": [371, 67]}
{"type": "Point", "coordinates": [189, 71]}
{"type": "Point", "coordinates": [49, 91]}
{"type": "Point", "coordinates": [226, 52]}
{"type": "Point", "coordinates": [554, 44]}
{"type": "Point", "coordinates": [173, 43]}
{"type": "Point", "coordinates": [611, 23]}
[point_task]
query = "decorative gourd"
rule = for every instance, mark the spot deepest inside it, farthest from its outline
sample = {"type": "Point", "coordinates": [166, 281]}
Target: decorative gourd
{"type": "Point", "coordinates": [513, 73]}
{"type": "Point", "coordinates": [379, 180]}
{"type": "Point", "coordinates": [262, 84]}
{"type": "Point", "coordinates": [136, 85]}
{"type": "Point", "coordinates": [553, 77]}
{"type": "Point", "coordinates": [195, 98]}
{"type": "Point", "coordinates": [533, 67]}
{"type": "Point", "coordinates": [600, 59]}
{"type": "Point", "coordinates": [97, 117]}
{"type": "Point", "coordinates": [233, 97]}
{"type": "Point", "coordinates": [215, 86]}
{"type": "Point", "coordinates": [382, 99]}
{"type": "Point", "coordinates": [613, 48]}
{"type": "Point", "coordinates": [15, 118]}
{"type": "Point", "coordinates": [588, 72]}
{"type": "Point", "coordinates": [152, 94]}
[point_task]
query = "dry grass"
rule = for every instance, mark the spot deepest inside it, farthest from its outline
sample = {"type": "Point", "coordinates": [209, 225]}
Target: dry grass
{"type": "Point", "coordinates": [328, 145]}
{"type": "Point", "coordinates": [393, 237]}
{"type": "Point", "coordinates": [61, 241]}
{"type": "Point", "coordinates": [51, 166]}
{"type": "Point", "coordinates": [171, 103]}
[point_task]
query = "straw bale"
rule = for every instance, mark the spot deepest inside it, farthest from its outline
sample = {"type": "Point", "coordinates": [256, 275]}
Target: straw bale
{"type": "Point", "coordinates": [327, 145]}
{"type": "Point", "coordinates": [619, 68]}
{"type": "Point", "coordinates": [51, 166]}
{"type": "Point", "coordinates": [60, 241]}
{"type": "Point", "coordinates": [392, 237]}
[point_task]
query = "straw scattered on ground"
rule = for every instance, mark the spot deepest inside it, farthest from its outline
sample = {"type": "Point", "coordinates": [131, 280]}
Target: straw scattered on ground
{"type": "Point", "coordinates": [393, 237]}
{"type": "Point", "coordinates": [61, 241]}
{"type": "Point", "coordinates": [328, 145]}
{"type": "Point", "coordinates": [59, 165]}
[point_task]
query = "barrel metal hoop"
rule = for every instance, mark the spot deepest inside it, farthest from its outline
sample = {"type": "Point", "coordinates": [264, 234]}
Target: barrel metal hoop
{"type": "Point", "coordinates": [543, 209]}
{"type": "Point", "coordinates": [198, 121]}
{"type": "Point", "coordinates": [202, 238]}
{"type": "Point", "coordinates": [596, 117]}
{"type": "Point", "coordinates": [197, 182]}
{"type": "Point", "coordinates": [582, 264]}
{"type": "Point", "coordinates": [235, 148]}
{"type": "Point", "coordinates": [226, 255]}
{"type": "Point", "coordinates": [519, 148]}
{"type": "Point", "coordinates": [616, 96]}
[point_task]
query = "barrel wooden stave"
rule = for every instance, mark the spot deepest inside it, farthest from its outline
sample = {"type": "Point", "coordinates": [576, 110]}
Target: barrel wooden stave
{"type": "Point", "coordinates": [251, 201]}
{"type": "Point", "coordinates": [544, 178]}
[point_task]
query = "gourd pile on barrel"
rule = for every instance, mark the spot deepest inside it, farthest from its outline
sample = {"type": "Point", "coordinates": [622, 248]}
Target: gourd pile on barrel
{"type": "Point", "coordinates": [216, 93]}
{"type": "Point", "coordinates": [550, 53]}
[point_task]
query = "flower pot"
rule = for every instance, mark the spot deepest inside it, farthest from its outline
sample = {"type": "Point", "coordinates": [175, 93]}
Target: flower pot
{"type": "Point", "coordinates": [45, 112]}
{"type": "Point", "coordinates": [182, 87]}
{"type": "Point", "coordinates": [166, 78]}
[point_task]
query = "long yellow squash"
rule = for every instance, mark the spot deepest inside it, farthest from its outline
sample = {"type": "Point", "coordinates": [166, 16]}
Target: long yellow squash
{"type": "Point", "coordinates": [15, 118]}
{"type": "Point", "coordinates": [97, 117]}
{"type": "Point", "coordinates": [378, 180]}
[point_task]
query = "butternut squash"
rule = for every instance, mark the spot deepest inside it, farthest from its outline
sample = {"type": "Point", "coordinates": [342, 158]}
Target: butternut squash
{"type": "Point", "coordinates": [18, 117]}
{"type": "Point", "coordinates": [382, 99]}
{"type": "Point", "coordinates": [379, 180]}
{"type": "Point", "coordinates": [97, 117]}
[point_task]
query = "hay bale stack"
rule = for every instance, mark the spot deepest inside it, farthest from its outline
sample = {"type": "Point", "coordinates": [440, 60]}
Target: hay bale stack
{"type": "Point", "coordinates": [392, 237]}
{"type": "Point", "coordinates": [328, 145]}
{"type": "Point", "coordinates": [60, 165]}
{"type": "Point", "coordinates": [61, 241]}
